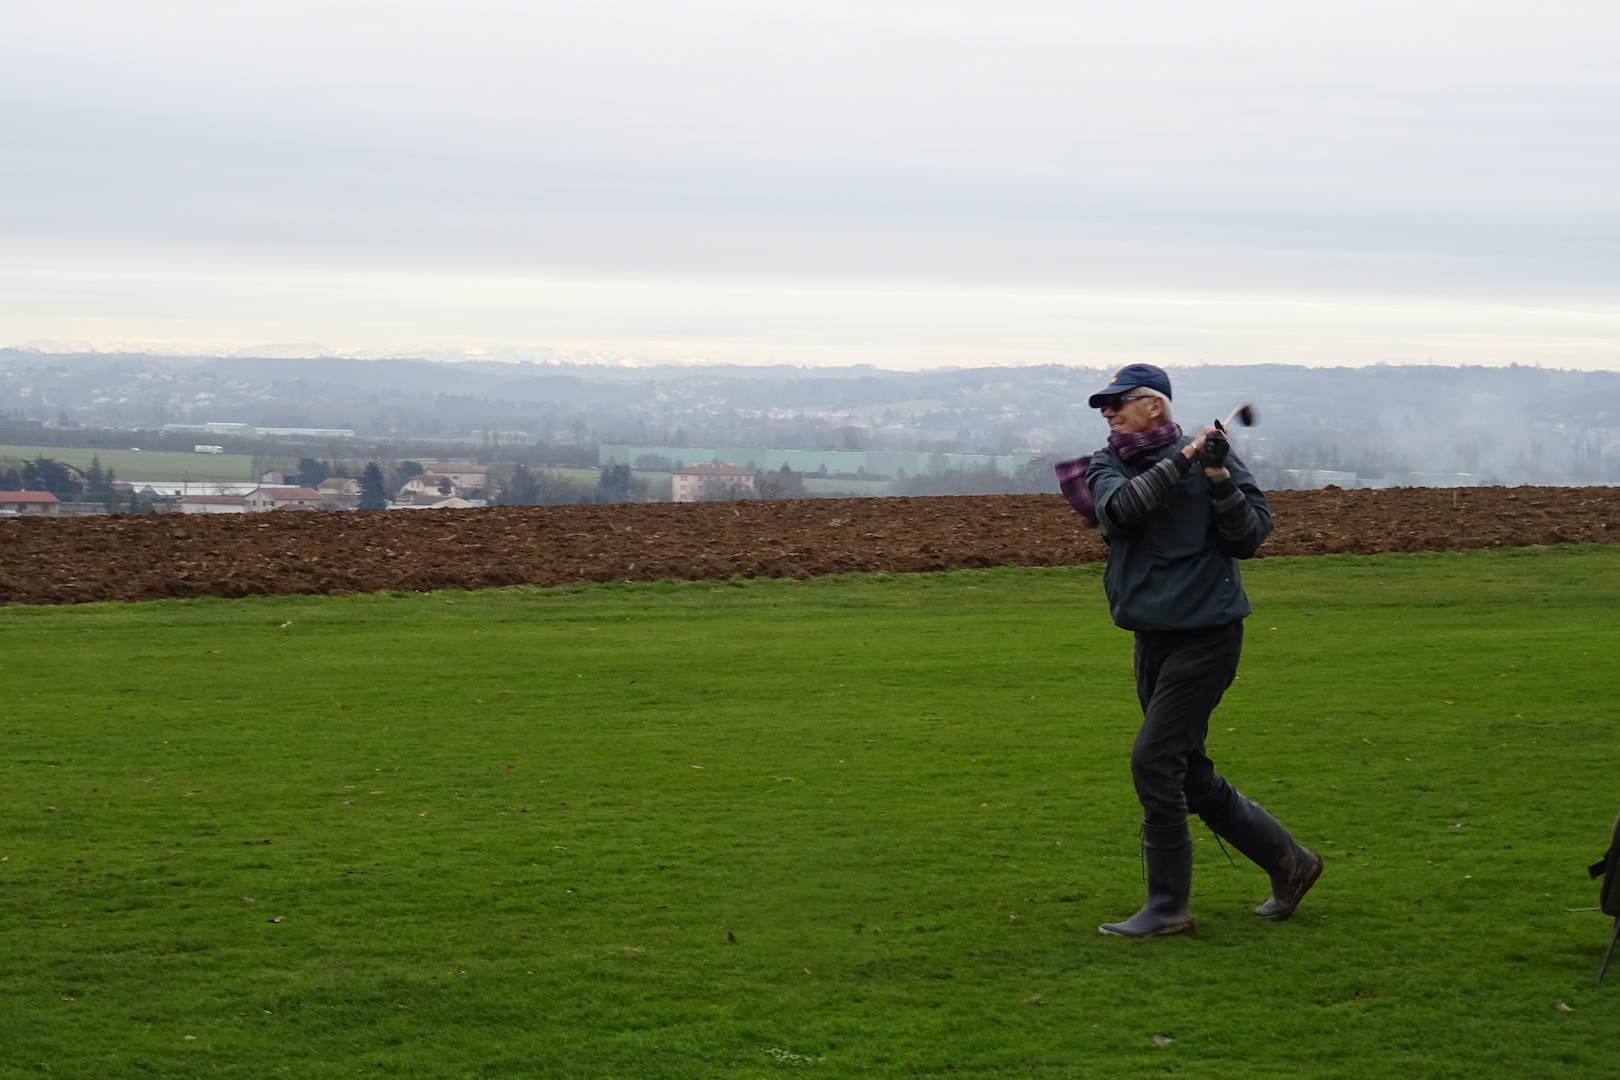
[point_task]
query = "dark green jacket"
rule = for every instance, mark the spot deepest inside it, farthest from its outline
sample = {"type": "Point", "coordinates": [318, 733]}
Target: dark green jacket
{"type": "Point", "coordinates": [1172, 572]}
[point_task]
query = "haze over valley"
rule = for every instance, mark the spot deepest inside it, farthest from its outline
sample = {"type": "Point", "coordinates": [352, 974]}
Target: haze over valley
{"type": "Point", "coordinates": [1417, 425]}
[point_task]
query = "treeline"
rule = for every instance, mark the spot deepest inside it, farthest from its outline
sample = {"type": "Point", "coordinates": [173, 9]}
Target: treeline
{"type": "Point", "coordinates": [523, 486]}
{"type": "Point", "coordinates": [95, 484]}
{"type": "Point", "coordinates": [1032, 478]}
{"type": "Point", "coordinates": [565, 454]}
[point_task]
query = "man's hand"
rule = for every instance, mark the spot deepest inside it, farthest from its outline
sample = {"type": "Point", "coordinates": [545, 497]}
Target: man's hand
{"type": "Point", "coordinates": [1212, 454]}
{"type": "Point", "coordinates": [1196, 447]}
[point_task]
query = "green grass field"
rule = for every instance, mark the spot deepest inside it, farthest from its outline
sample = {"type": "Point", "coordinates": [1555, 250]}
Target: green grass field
{"type": "Point", "coordinates": [138, 465]}
{"type": "Point", "coordinates": [848, 827]}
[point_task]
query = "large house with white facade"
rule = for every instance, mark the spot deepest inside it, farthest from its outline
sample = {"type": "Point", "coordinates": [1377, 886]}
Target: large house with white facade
{"type": "Point", "coordinates": [695, 483]}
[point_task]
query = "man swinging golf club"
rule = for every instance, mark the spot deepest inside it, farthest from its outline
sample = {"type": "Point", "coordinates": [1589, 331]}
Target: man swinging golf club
{"type": "Point", "coordinates": [1177, 514]}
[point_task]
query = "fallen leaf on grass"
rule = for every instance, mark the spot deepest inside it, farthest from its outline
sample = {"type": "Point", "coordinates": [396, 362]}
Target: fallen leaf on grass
{"type": "Point", "coordinates": [247, 899]}
{"type": "Point", "coordinates": [1165, 1040]}
{"type": "Point", "coordinates": [1034, 1001]}
{"type": "Point", "coordinates": [286, 624]}
{"type": "Point", "coordinates": [422, 814]}
{"type": "Point", "coordinates": [278, 918]}
{"type": "Point", "coordinates": [191, 1037]}
{"type": "Point", "coordinates": [1564, 1008]}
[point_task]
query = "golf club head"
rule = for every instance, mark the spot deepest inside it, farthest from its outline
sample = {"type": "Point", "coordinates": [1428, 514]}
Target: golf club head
{"type": "Point", "coordinates": [1245, 414]}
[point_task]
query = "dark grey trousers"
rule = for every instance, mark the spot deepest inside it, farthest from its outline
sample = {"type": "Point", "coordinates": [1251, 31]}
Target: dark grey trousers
{"type": "Point", "coordinates": [1180, 677]}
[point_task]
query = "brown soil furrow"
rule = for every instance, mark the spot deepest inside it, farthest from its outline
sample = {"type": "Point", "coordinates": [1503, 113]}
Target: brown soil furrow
{"type": "Point", "coordinates": [71, 560]}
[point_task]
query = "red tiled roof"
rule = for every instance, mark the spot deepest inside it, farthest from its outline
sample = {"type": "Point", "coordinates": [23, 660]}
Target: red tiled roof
{"type": "Point", "coordinates": [27, 497]}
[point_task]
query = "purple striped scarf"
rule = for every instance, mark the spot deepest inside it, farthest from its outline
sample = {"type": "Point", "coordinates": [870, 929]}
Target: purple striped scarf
{"type": "Point", "coordinates": [1072, 474]}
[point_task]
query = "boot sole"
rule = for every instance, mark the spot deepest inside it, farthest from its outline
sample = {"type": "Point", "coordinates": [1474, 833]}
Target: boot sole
{"type": "Point", "coordinates": [1170, 931]}
{"type": "Point", "coordinates": [1299, 894]}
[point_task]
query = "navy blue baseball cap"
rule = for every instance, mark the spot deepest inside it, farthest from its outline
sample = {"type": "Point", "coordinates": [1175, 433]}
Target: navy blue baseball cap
{"type": "Point", "coordinates": [1128, 378]}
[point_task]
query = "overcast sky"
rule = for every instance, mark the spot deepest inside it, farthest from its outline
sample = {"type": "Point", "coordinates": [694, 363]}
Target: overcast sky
{"type": "Point", "coordinates": [907, 184]}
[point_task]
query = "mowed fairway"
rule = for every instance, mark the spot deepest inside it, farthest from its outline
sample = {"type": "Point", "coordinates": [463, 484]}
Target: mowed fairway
{"type": "Point", "coordinates": [845, 827]}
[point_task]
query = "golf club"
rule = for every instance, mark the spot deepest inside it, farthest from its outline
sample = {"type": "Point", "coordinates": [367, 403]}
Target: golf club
{"type": "Point", "coordinates": [1245, 414]}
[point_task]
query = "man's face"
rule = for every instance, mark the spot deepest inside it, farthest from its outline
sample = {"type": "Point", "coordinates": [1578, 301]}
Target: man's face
{"type": "Point", "coordinates": [1137, 410]}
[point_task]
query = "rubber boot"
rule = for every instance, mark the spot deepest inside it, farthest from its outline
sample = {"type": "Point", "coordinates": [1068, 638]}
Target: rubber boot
{"type": "Point", "coordinates": [1167, 851]}
{"type": "Point", "coordinates": [1293, 869]}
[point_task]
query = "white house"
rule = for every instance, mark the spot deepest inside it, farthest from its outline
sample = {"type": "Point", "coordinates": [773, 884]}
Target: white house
{"type": "Point", "coordinates": [430, 484]}
{"type": "Point", "coordinates": [718, 481]}
{"type": "Point", "coordinates": [30, 502]}
{"type": "Point", "coordinates": [340, 492]}
{"type": "Point", "coordinates": [466, 477]}
{"type": "Point", "coordinates": [284, 498]}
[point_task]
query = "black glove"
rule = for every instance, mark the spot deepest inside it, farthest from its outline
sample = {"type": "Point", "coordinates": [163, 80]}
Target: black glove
{"type": "Point", "coordinates": [1213, 455]}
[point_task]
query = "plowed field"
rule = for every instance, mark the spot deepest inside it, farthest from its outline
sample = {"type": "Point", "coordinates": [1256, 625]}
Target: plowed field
{"type": "Point", "coordinates": [70, 560]}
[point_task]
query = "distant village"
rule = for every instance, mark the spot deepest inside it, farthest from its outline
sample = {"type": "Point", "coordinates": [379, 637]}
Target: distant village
{"type": "Point", "coordinates": [847, 431]}
{"type": "Point", "coordinates": [47, 487]}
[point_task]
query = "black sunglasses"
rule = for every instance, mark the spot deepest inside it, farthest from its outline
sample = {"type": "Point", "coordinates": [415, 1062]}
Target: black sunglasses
{"type": "Point", "coordinates": [1116, 402]}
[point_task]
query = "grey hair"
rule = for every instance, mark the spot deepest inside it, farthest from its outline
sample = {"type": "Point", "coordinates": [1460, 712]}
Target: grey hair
{"type": "Point", "coordinates": [1164, 401]}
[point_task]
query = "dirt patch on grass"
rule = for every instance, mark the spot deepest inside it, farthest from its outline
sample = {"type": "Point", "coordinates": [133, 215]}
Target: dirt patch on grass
{"type": "Point", "coordinates": [69, 560]}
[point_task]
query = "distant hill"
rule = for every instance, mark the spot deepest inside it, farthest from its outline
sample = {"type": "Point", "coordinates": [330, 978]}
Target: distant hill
{"type": "Point", "coordinates": [1510, 425]}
